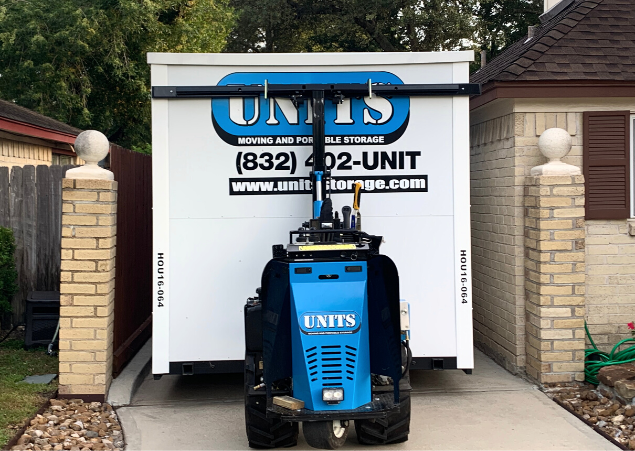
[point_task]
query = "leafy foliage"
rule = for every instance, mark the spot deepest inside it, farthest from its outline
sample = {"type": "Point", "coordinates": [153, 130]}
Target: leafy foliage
{"type": "Point", "coordinates": [83, 62]}
{"type": "Point", "coordinates": [350, 25]}
{"type": "Point", "coordinates": [503, 22]}
{"type": "Point", "coordinates": [8, 273]}
{"type": "Point", "coordinates": [380, 25]}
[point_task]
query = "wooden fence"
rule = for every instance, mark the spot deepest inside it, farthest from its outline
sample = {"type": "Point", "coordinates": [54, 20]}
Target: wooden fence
{"type": "Point", "coordinates": [133, 273]}
{"type": "Point", "coordinates": [31, 205]}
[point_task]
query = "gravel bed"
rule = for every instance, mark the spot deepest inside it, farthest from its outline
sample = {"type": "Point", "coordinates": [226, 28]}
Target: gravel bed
{"type": "Point", "coordinates": [615, 419]}
{"type": "Point", "coordinates": [73, 425]}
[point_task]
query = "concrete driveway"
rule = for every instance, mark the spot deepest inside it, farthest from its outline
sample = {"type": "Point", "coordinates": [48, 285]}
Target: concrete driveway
{"type": "Point", "coordinates": [490, 409]}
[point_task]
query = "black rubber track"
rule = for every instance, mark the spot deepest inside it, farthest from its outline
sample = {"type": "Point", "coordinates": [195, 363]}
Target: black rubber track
{"type": "Point", "coordinates": [396, 426]}
{"type": "Point", "coordinates": [385, 431]}
{"type": "Point", "coordinates": [263, 432]}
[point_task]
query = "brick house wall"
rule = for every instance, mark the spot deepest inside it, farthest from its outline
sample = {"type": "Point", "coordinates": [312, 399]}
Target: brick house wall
{"type": "Point", "coordinates": [610, 286]}
{"type": "Point", "coordinates": [497, 240]}
{"type": "Point", "coordinates": [564, 67]}
{"type": "Point", "coordinates": [504, 148]}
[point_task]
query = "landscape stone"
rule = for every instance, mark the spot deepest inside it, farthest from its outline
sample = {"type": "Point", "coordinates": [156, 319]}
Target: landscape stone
{"type": "Point", "coordinates": [609, 375]}
{"type": "Point", "coordinates": [625, 388]}
{"type": "Point", "coordinates": [605, 391]}
{"type": "Point", "coordinates": [39, 379]}
{"type": "Point", "coordinates": [575, 402]}
{"type": "Point", "coordinates": [621, 399]}
{"type": "Point", "coordinates": [73, 425]}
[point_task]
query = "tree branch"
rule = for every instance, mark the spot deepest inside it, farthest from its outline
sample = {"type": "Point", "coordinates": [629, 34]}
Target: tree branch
{"type": "Point", "coordinates": [373, 32]}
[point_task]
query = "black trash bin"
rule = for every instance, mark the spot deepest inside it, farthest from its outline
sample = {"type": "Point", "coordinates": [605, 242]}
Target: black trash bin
{"type": "Point", "coordinates": [42, 317]}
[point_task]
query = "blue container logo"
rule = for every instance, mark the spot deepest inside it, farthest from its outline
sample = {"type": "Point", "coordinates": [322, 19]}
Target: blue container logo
{"type": "Point", "coordinates": [330, 323]}
{"type": "Point", "coordinates": [275, 121]}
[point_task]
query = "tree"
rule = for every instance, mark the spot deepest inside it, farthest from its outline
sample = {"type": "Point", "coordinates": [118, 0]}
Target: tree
{"type": "Point", "coordinates": [83, 62]}
{"type": "Point", "coordinates": [380, 25]}
{"type": "Point", "coordinates": [351, 25]}
{"type": "Point", "coordinates": [503, 22]}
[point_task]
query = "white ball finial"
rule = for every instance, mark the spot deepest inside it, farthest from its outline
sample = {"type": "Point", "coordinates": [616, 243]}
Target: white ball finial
{"type": "Point", "coordinates": [555, 143]}
{"type": "Point", "coordinates": [92, 147]}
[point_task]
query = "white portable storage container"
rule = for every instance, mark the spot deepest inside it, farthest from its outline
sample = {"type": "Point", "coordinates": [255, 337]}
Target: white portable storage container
{"type": "Point", "coordinates": [230, 179]}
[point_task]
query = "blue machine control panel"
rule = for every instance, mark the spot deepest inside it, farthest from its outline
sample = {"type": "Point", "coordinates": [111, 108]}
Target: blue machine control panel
{"type": "Point", "coordinates": [330, 336]}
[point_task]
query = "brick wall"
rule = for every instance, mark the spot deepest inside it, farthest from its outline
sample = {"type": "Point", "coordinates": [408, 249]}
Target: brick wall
{"type": "Point", "coordinates": [87, 287]}
{"type": "Point", "coordinates": [555, 278]}
{"type": "Point", "coordinates": [610, 299]}
{"type": "Point", "coordinates": [610, 250]}
{"type": "Point", "coordinates": [503, 151]}
{"type": "Point", "coordinates": [497, 240]}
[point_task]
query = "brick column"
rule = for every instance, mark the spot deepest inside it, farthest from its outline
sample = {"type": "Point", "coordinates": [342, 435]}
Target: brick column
{"type": "Point", "coordinates": [555, 278]}
{"type": "Point", "coordinates": [87, 287]}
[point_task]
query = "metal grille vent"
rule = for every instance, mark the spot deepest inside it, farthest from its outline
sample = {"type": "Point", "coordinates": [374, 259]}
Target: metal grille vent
{"type": "Point", "coordinates": [331, 364]}
{"type": "Point", "coordinates": [43, 329]}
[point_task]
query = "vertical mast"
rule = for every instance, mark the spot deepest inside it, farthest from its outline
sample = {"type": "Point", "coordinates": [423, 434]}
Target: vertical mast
{"type": "Point", "coordinates": [318, 178]}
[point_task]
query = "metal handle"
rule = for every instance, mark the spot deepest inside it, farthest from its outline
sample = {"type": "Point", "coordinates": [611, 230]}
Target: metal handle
{"type": "Point", "coordinates": [358, 196]}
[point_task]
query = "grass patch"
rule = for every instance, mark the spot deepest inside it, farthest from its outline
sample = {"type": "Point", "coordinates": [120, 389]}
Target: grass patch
{"type": "Point", "coordinates": [19, 401]}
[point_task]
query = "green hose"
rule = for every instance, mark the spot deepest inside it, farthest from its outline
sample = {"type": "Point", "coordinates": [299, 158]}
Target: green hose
{"type": "Point", "coordinates": [595, 360]}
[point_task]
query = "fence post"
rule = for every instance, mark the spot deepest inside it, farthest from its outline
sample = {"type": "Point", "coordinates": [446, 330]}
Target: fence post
{"type": "Point", "coordinates": [89, 206]}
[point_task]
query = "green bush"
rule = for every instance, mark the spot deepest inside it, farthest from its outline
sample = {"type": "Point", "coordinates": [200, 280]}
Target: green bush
{"type": "Point", "coordinates": [8, 274]}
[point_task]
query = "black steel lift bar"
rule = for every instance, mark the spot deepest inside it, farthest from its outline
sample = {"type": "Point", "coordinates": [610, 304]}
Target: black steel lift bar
{"type": "Point", "coordinates": [316, 93]}
{"type": "Point", "coordinates": [306, 90]}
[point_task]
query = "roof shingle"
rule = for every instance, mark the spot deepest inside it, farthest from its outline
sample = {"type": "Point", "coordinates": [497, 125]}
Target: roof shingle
{"type": "Point", "coordinates": [10, 110]}
{"type": "Point", "coordinates": [587, 40]}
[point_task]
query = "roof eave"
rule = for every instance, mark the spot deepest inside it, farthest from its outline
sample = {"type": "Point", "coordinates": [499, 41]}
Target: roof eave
{"type": "Point", "coordinates": [552, 89]}
{"type": "Point", "coordinates": [23, 128]}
